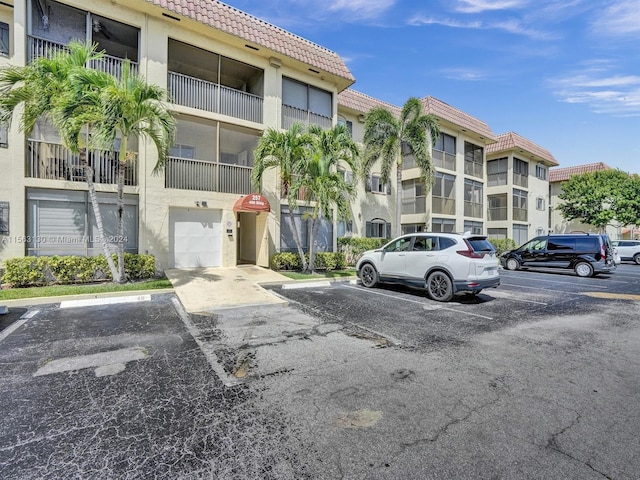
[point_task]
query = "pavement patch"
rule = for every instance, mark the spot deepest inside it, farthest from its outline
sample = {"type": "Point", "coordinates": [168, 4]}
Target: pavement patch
{"type": "Point", "coordinates": [613, 296]}
{"type": "Point", "coordinates": [106, 363]}
{"type": "Point", "coordinates": [358, 419]}
{"type": "Point", "coordinates": [90, 302]}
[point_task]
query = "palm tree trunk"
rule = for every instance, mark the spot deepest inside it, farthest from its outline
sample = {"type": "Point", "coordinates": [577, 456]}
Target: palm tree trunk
{"type": "Point", "coordinates": [398, 227]}
{"type": "Point", "coordinates": [88, 171]}
{"type": "Point", "coordinates": [312, 247]}
{"type": "Point", "coordinates": [122, 162]}
{"type": "Point", "coordinates": [296, 238]}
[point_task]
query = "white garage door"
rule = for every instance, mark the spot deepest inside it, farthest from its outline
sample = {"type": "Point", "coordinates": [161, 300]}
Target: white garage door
{"type": "Point", "coordinates": [196, 236]}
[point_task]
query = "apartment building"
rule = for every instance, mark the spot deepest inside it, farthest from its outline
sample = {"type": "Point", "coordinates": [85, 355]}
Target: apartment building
{"type": "Point", "coordinates": [230, 76]}
{"type": "Point", "coordinates": [517, 188]}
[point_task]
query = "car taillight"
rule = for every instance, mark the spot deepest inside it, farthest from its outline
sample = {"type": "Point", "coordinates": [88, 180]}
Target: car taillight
{"type": "Point", "coordinates": [470, 252]}
{"type": "Point", "coordinates": [603, 251]}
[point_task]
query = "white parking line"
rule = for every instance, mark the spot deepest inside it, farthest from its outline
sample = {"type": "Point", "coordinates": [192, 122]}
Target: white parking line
{"type": "Point", "coordinates": [428, 306]}
{"type": "Point", "coordinates": [17, 324]}
{"type": "Point", "coordinates": [90, 302]}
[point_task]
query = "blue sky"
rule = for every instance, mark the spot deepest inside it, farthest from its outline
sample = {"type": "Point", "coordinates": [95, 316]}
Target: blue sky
{"type": "Point", "coordinates": [563, 73]}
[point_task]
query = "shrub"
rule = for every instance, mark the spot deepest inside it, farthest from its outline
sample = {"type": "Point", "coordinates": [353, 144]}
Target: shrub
{"type": "Point", "coordinates": [286, 261]}
{"type": "Point", "coordinates": [329, 261]}
{"type": "Point", "coordinates": [58, 269]}
{"type": "Point", "coordinates": [502, 245]}
{"type": "Point", "coordinates": [353, 247]}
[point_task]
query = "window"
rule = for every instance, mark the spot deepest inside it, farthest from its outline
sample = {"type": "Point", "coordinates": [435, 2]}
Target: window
{"type": "Point", "coordinates": [413, 228]}
{"type": "Point", "coordinates": [4, 39]}
{"type": "Point", "coordinates": [346, 123]}
{"type": "Point", "coordinates": [539, 231]}
{"type": "Point", "coordinates": [345, 228]}
{"type": "Point", "coordinates": [497, 172]}
{"type": "Point", "coordinates": [305, 104]}
{"type": "Point", "coordinates": [444, 152]}
{"type": "Point", "coordinates": [303, 224]}
{"type": "Point", "coordinates": [413, 197]}
{"type": "Point", "coordinates": [520, 173]}
{"type": "Point", "coordinates": [183, 151]}
{"type": "Point", "coordinates": [520, 205]}
{"type": "Point", "coordinates": [346, 174]}
{"type": "Point", "coordinates": [4, 136]}
{"type": "Point", "coordinates": [497, 233]}
{"type": "Point", "coordinates": [541, 172]}
{"type": "Point", "coordinates": [540, 203]}
{"type": "Point", "coordinates": [520, 233]}
{"type": "Point", "coordinates": [472, 198]}
{"type": "Point", "coordinates": [376, 185]}
{"type": "Point", "coordinates": [473, 158]}
{"type": "Point", "coordinates": [443, 194]}
{"type": "Point", "coordinates": [378, 228]}
{"type": "Point", "coordinates": [4, 218]}
{"type": "Point", "coordinates": [443, 225]}
{"type": "Point", "coordinates": [473, 227]}
{"type": "Point", "coordinates": [497, 207]}
{"type": "Point", "coordinates": [400, 245]}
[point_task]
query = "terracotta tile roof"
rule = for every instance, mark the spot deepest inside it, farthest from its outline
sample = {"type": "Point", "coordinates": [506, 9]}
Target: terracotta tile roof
{"type": "Point", "coordinates": [362, 103]}
{"type": "Point", "coordinates": [511, 140]}
{"type": "Point", "coordinates": [251, 29]}
{"type": "Point", "coordinates": [563, 174]}
{"type": "Point", "coordinates": [446, 112]}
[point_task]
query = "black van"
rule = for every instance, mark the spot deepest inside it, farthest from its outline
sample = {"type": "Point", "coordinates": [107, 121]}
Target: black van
{"type": "Point", "coordinates": [588, 254]}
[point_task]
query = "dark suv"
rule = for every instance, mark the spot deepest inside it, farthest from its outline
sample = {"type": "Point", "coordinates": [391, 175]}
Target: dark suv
{"type": "Point", "coordinates": [587, 254]}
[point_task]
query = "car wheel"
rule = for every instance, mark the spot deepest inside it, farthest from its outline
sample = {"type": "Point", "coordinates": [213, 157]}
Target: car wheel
{"type": "Point", "coordinates": [368, 275]}
{"type": "Point", "coordinates": [636, 258]}
{"type": "Point", "coordinates": [583, 269]}
{"type": "Point", "coordinates": [439, 287]}
{"type": "Point", "coordinates": [513, 264]}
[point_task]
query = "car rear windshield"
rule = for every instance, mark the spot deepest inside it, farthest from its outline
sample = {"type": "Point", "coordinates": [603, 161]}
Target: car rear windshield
{"type": "Point", "coordinates": [480, 244]}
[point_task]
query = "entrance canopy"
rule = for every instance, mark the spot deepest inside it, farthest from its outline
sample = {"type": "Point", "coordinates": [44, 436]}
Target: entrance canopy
{"type": "Point", "coordinates": [252, 203]}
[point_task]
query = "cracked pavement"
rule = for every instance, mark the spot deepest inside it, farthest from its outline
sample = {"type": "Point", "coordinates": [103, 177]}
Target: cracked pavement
{"type": "Point", "coordinates": [332, 385]}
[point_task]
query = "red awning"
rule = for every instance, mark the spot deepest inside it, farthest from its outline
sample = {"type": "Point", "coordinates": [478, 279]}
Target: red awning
{"type": "Point", "coordinates": [252, 203]}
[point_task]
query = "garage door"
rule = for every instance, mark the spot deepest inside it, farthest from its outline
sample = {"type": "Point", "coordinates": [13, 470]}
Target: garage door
{"type": "Point", "coordinates": [196, 237]}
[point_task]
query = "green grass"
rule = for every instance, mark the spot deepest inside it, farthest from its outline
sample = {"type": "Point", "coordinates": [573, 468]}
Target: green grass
{"type": "Point", "coordinates": [60, 290]}
{"type": "Point", "coordinates": [318, 275]}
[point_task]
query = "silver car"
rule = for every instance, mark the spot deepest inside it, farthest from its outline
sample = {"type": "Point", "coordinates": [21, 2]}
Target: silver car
{"type": "Point", "coordinates": [628, 249]}
{"type": "Point", "coordinates": [442, 263]}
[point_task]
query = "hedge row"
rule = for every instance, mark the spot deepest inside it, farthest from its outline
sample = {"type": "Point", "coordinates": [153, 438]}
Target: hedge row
{"type": "Point", "coordinates": [353, 247]}
{"type": "Point", "coordinates": [324, 261]}
{"type": "Point", "coordinates": [38, 271]}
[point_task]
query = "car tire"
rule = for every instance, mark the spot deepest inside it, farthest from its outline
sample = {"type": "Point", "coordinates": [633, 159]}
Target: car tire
{"type": "Point", "coordinates": [636, 258]}
{"type": "Point", "coordinates": [368, 275]}
{"type": "Point", "coordinates": [439, 287]}
{"type": "Point", "coordinates": [512, 264]}
{"type": "Point", "coordinates": [583, 269]}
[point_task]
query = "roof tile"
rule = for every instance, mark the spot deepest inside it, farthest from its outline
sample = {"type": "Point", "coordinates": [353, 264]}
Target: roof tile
{"type": "Point", "coordinates": [451, 114]}
{"type": "Point", "coordinates": [251, 29]}
{"type": "Point", "coordinates": [511, 140]}
{"type": "Point", "coordinates": [563, 174]}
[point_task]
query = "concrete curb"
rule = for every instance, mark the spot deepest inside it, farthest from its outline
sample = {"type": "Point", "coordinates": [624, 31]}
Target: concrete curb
{"type": "Point", "coordinates": [27, 302]}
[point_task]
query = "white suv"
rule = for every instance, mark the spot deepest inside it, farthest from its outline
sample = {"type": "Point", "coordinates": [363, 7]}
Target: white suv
{"type": "Point", "coordinates": [442, 263]}
{"type": "Point", "coordinates": [628, 249]}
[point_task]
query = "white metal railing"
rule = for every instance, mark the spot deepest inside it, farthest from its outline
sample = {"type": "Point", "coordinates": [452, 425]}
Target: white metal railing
{"type": "Point", "coordinates": [39, 47]}
{"type": "Point", "coordinates": [211, 97]}
{"type": "Point", "coordinates": [497, 213]}
{"type": "Point", "coordinates": [472, 209]}
{"type": "Point", "coordinates": [291, 115]}
{"type": "Point", "coordinates": [54, 161]}
{"type": "Point", "coordinates": [473, 168]}
{"type": "Point", "coordinates": [443, 160]}
{"type": "Point", "coordinates": [414, 205]}
{"type": "Point", "coordinates": [495, 179]}
{"type": "Point", "coordinates": [202, 175]}
{"type": "Point", "coordinates": [520, 214]}
{"type": "Point", "coordinates": [520, 179]}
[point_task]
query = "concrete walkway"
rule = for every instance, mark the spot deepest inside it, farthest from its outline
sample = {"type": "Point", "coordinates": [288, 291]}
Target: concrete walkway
{"type": "Point", "coordinates": [207, 289]}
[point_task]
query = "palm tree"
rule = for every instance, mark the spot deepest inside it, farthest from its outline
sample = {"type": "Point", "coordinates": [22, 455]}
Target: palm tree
{"type": "Point", "coordinates": [385, 135]}
{"type": "Point", "coordinates": [40, 88]}
{"type": "Point", "coordinates": [286, 152]}
{"type": "Point", "coordinates": [125, 108]}
{"type": "Point", "coordinates": [322, 181]}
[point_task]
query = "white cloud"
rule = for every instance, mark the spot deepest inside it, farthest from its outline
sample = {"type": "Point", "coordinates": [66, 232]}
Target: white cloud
{"type": "Point", "coordinates": [361, 8]}
{"type": "Point", "coordinates": [512, 26]}
{"type": "Point", "coordinates": [464, 74]}
{"type": "Point", "coordinates": [477, 6]}
{"type": "Point", "coordinates": [619, 18]}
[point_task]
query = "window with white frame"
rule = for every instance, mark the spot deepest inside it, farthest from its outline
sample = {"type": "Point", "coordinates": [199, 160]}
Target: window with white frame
{"type": "Point", "coordinates": [444, 152]}
{"type": "Point", "coordinates": [346, 174]}
{"type": "Point", "coordinates": [413, 197]}
{"type": "Point", "coordinates": [4, 218]}
{"type": "Point", "coordinates": [472, 198]}
{"type": "Point", "coordinates": [443, 225]}
{"type": "Point", "coordinates": [4, 39]}
{"type": "Point", "coordinates": [473, 227]}
{"type": "Point", "coordinates": [520, 172]}
{"type": "Point", "coordinates": [413, 228]}
{"type": "Point", "coordinates": [473, 158]}
{"type": "Point", "coordinates": [378, 228]}
{"type": "Point", "coordinates": [497, 233]}
{"type": "Point", "coordinates": [183, 151]}
{"type": "Point", "coordinates": [443, 194]}
{"type": "Point", "coordinates": [497, 207]}
{"type": "Point", "coordinates": [520, 233]}
{"type": "Point", "coordinates": [520, 205]}
{"type": "Point", "coordinates": [376, 185]}
{"type": "Point", "coordinates": [497, 171]}
{"type": "Point", "coordinates": [346, 123]}
{"type": "Point", "coordinates": [541, 171]}
{"type": "Point", "coordinates": [344, 228]}
{"type": "Point", "coordinates": [540, 203]}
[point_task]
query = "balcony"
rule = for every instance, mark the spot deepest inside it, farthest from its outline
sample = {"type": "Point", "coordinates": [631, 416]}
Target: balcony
{"type": "Point", "coordinates": [475, 169]}
{"type": "Point", "coordinates": [496, 213]}
{"type": "Point", "coordinates": [472, 209]}
{"type": "Point", "coordinates": [53, 161]}
{"type": "Point", "coordinates": [443, 160]}
{"type": "Point", "coordinates": [444, 205]}
{"type": "Point", "coordinates": [204, 95]}
{"type": "Point", "coordinates": [202, 175]}
{"type": "Point", "coordinates": [40, 47]}
{"type": "Point", "coordinates": [414, 205]}
{"type": "Point", "coordinates": [520, 214]}
{"type": "Point", "coordinates": [291, 115]}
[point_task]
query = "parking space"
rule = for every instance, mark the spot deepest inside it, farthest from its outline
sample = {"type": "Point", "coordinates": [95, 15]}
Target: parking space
{"type": "Point", "coordinates": [408, 317]}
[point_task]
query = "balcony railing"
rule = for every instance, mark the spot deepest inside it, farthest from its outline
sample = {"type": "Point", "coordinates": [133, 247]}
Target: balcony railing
{"type": "Point", "coordinates": [202, 175]}
{"type": "Point", "coordinates": [497, 213]}
{"type": "Point", "coordinates": [444, 205]}
{"type": "Point", "coordinates": [291, 115]}
{"type": "Point", "coordinates": [443, 160]}
{"type": "Point", "coordinates": [55, 162]}
{"type": "Point", "coordinates": [212, 97]}
{"type": "Point", "coordinates": [519, 214]}
{"type": "Point", "coordinates": [39, 47]}
{"type": "Point", "coordinates": [472, 209]}
{"type": "Point", "coordinates": [520, 179]}
{"type": "Point", "coordinates": [473, 168]}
